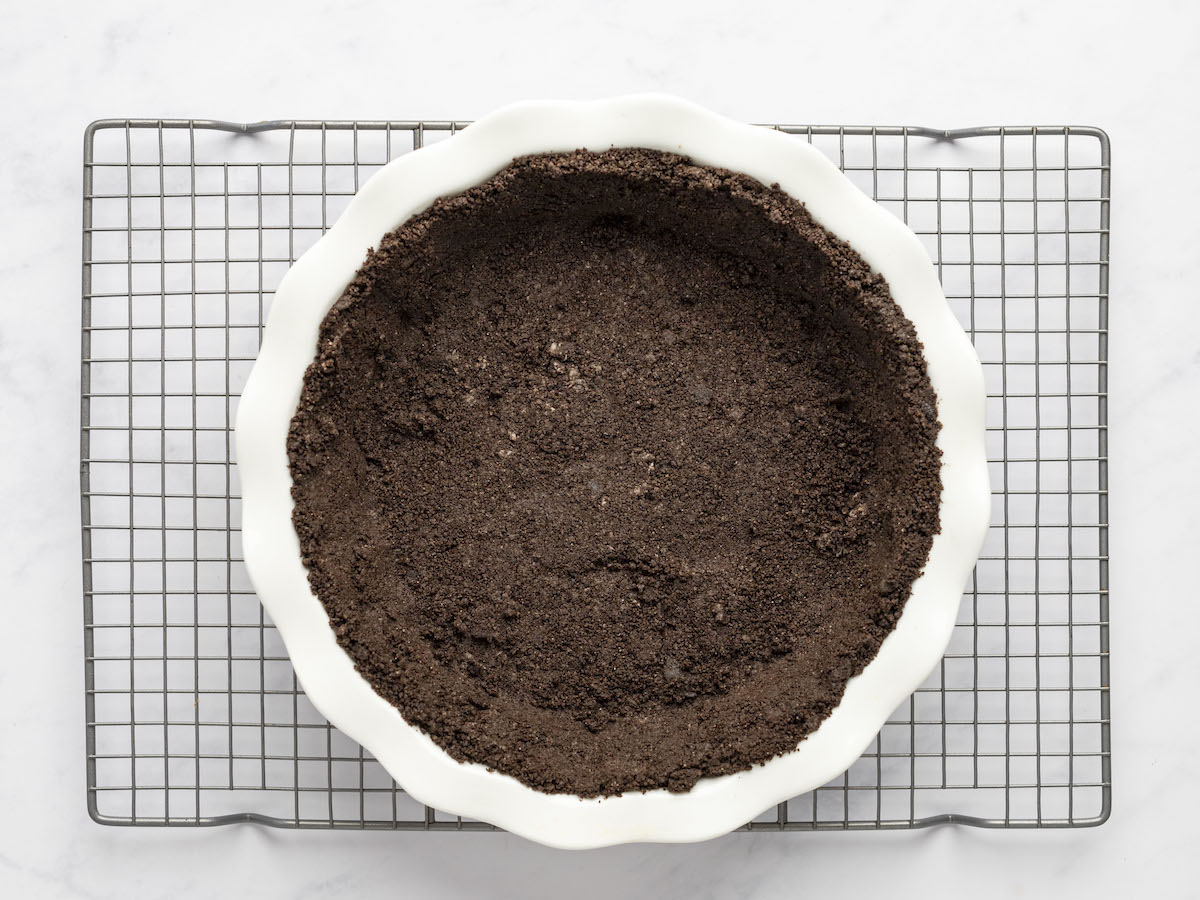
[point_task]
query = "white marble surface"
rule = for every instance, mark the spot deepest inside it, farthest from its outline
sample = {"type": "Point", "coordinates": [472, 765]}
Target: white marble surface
{"type": "Point", "coordinates": [1132, 70]}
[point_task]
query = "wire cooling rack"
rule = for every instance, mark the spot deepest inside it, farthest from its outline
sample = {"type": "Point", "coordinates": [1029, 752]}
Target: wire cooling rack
{"type": "Point", "coordinates": [194, 716]}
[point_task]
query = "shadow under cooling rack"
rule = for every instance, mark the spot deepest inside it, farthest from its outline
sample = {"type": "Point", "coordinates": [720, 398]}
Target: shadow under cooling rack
{"type": "Point", "coordinates": [194, 716]}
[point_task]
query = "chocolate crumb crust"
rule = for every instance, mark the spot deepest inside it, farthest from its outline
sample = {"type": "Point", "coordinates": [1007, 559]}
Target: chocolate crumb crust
{"type": "Point", "coordinates": [613, 470]}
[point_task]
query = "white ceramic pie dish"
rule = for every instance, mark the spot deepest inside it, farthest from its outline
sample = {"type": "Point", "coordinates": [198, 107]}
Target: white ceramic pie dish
{"type": "Point", "coordinates": [272, 551]}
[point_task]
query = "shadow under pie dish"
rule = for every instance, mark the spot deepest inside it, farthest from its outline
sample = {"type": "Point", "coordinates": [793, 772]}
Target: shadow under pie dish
{"type": "Point", "coordinates": [621, 492]}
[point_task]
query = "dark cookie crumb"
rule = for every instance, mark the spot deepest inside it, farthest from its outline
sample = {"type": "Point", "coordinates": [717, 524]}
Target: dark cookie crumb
{"type": "Point", "coordinates": [611, 471]}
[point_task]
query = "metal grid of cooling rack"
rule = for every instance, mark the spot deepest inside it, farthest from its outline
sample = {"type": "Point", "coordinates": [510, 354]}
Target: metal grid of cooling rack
{"type": "Point", "coordinates": [194, 716]}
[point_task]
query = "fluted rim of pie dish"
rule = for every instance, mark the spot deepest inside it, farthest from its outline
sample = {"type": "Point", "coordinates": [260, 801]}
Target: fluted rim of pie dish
{"type": "Point", "coordinates": [409, 185]}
